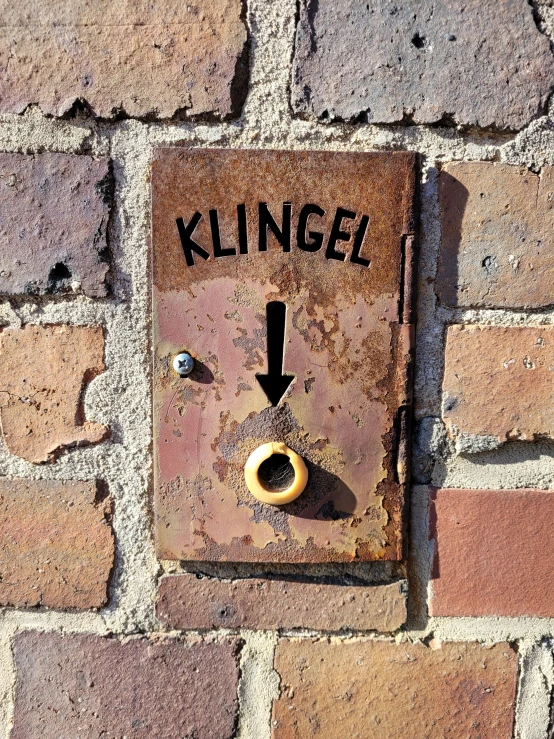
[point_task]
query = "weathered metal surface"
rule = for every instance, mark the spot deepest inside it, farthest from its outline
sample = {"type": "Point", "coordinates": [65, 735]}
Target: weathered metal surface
{"type": "Point", "coordinates": [344, 343]}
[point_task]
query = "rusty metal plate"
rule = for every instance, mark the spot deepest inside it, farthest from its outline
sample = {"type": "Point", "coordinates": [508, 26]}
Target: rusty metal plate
{"type": "Point", "coordinates": [334, 247]}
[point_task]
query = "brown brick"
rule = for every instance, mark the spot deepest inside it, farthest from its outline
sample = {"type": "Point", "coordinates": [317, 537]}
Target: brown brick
{"type": "Point", "coordinates": [507, 540]}
{"type": "Point", "coordinates": [53, 215]}
{"type": "Point", "coordinates": [44, 371]}
{"type": "Point", "coordinates": [383, 690]}
{"type": "Point", "coordinates": [89, 686]}
{"type": "Point", "coordinates": [385, 62]}
{"type": "Point", "coordinates": [187, 602]}
{"type": "Point", "coordinates": [506, 370]}
{"type": "Point", "coordinates": [497, 236]}
{"type": "Point", "coordinates": [142, 58]}
{"type": "Point", "coordinates": [56, 544]}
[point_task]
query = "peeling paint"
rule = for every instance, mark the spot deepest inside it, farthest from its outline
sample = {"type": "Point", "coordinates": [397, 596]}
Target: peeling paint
{"type": "Point", "coordinates": [342, 344]}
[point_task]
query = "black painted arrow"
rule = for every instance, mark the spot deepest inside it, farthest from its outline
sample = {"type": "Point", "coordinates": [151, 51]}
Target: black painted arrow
{"type": "Point", "coordinates": [275, 384]}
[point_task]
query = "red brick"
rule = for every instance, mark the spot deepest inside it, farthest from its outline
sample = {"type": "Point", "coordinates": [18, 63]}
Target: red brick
{"type": "Point", "coordinates": [90, 686]}
{"type": "Point", "coordinates": [507, 541]}
{"type": "Point", "coordinates": [54, 212]}
{"type": "Point", "coordinates": [143, 58]}
{"type": "Point", "coordinates": [506, 370]}
{"type": "Point", "coordinates": [382, 690]}
{"type": "Point", "coordinates": [188, 602]}
{"type": "Point", "coordinates": [497, 225]}
{"type": "Point", "coordinates": [56, 544]}
{"type": "Point", "coordinates": [44, 371]}
{"type": "Point", "coordinates": [422, 62]}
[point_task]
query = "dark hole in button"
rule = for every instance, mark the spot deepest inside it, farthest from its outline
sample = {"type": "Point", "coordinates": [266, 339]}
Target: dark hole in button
{"type": "Point", "coordinates": [276, 473]}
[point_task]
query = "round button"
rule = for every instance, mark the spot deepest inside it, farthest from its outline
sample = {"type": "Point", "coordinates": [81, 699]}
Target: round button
{"type": "Point", "coordinates": [275, 474]}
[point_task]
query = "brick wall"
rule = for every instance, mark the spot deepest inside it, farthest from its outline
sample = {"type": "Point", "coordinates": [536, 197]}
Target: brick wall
{"type": "Point", "coordinates": [100, 638]}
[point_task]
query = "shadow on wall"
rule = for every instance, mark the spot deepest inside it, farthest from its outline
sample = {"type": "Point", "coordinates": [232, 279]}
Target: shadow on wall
{"type": "Point", "coordinates": [453, 197]}
{"type": "Point", "coordinates": [537, 458]}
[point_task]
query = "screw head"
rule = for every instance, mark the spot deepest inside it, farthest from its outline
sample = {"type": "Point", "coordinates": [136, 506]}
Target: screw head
{"type": "Point", "coordinates": [183, 364]}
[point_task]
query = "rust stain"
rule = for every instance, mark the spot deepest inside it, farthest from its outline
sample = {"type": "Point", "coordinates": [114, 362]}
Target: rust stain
{"type": "Point", "coordinates": [344, 343]}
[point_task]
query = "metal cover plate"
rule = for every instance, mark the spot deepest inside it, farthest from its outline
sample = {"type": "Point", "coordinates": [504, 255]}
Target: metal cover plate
{"type": "Point", "coordinates": [345, 344]}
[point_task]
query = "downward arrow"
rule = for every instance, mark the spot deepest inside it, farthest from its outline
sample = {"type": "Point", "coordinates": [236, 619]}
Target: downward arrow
{"type": "Point", "coordinates": [275, 384]}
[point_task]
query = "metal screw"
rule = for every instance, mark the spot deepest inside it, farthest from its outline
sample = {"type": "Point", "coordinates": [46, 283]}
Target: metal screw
{"type": "Point", "coordinates": [183, 364]}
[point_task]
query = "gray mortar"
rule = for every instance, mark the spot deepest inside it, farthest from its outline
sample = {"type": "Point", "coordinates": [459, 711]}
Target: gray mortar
{"type": "Point", "coordinates": [259, 683]}
{"type": "Point", "coordinates": [121, 396]}
{"type": "Point", "coordinates": [537, 674]}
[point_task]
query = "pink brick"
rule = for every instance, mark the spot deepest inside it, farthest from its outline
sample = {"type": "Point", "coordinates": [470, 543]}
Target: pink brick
{"type": "Point", "coordinates": [86, 686]}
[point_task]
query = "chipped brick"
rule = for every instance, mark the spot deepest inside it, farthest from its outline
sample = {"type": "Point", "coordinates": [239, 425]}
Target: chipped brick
{"type": "Point", "coordinates": [385, 62]}
{"type": "Point", "coordinates": [44, 371]}
{"type": "Point", "coordinates": [139, 58]}
{"type": "Point", "coordinates": [54, 211]}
